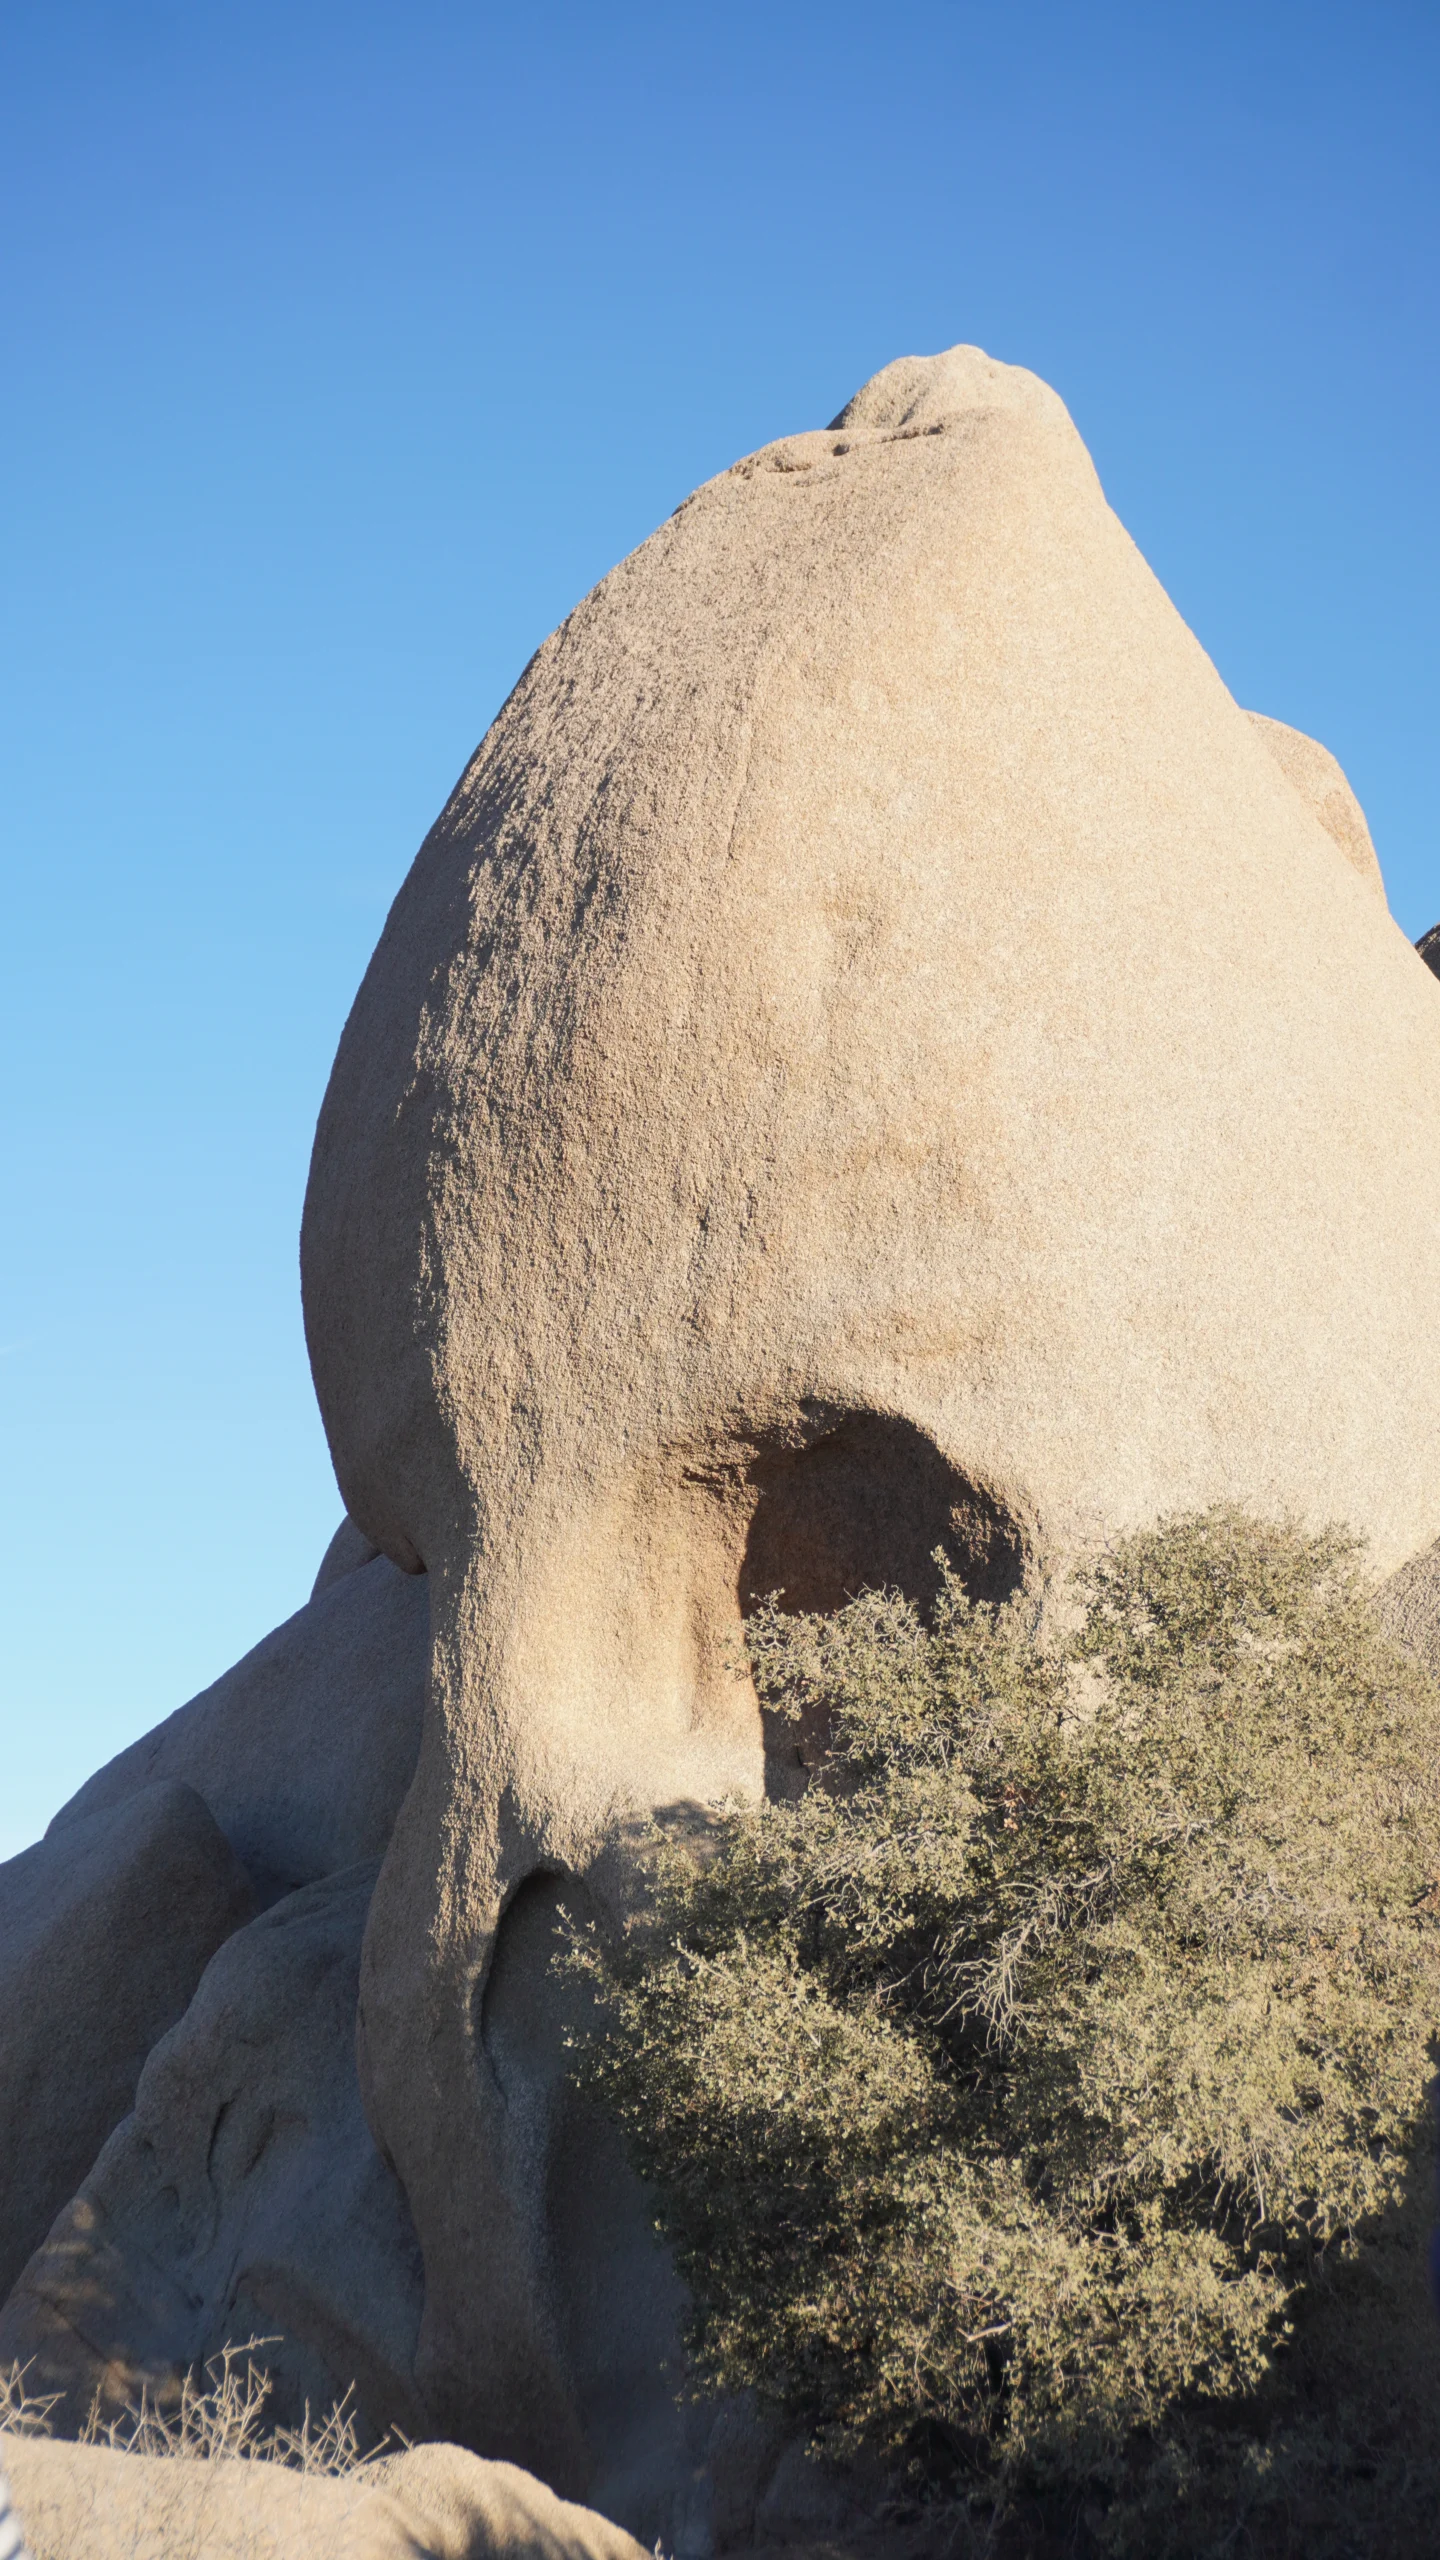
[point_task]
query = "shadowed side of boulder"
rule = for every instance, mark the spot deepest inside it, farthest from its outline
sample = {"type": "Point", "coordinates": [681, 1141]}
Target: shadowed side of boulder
{"type": "Point", "coordinates": [348, 1550]}
{"type": "Point", "coordinates": [105, 1929]}
{"type": "Point", "coordinates": [304, 1750]}
{"type": "Point", "coordinates": [243, 2199]}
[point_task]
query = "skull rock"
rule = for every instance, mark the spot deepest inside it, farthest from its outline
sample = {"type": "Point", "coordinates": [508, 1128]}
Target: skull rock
{"type": "Point", "coordinates": [878, 1053]}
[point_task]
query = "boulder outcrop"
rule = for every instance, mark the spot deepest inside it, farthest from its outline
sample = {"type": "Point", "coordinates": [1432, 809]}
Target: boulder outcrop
{"type": "Point", "coordinates": [879, 1051]}
{"type": "Point", "coordinates": [242, 2199]}
{"type": "Point", "coordinates": [105, 1930]}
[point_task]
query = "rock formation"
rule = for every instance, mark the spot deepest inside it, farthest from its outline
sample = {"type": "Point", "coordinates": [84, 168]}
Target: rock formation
{"type": "Point", "coordinates": [878, 1053]}
{"type": "Point", "coordinates": [244, 2196]}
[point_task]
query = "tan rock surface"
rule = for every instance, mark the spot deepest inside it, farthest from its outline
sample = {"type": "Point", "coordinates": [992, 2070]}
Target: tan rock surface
{"type": "Point", "coordinates": [874, 1052]}
{"type": "Point", "coordinates": [87, 2502]}
{"type": "Point", "coordinates": [1322, 786]}
{"type": "Point", "coordinates": [105, 1929]}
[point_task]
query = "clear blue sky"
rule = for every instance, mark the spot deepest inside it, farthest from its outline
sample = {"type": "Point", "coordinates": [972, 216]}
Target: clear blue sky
{"type": "Point", "coordinates": [346, 346]}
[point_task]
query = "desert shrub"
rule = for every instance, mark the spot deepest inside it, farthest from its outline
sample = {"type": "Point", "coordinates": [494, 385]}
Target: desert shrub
{"type": "Point", "coordinates": [1039, 2106]}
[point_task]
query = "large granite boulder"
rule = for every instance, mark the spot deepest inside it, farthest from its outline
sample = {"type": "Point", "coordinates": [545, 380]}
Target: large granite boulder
{"type": "Point", "coordinates": [105, 1930]}
{"type": "Point", "coordinates": [879, 1052]}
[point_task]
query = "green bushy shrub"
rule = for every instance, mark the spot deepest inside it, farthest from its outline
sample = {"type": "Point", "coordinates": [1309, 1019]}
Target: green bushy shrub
{"type": "Point", "coordinates": [1039, 2106]}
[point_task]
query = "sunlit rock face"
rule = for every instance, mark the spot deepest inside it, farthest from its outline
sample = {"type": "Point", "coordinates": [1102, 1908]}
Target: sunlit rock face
{"type": "Point", "coordinates": [878, 1053]}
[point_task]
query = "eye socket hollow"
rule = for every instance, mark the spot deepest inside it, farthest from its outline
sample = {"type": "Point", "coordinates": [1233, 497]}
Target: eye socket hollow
{"type": "Point", "coordinates": [867, 1507]}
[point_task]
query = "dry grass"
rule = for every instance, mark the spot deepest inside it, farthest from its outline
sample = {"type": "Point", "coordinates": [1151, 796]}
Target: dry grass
{"type": "Point", "coordinates": [220, 2417]}
{"type": "Point", "coordinates": [22, 2413]}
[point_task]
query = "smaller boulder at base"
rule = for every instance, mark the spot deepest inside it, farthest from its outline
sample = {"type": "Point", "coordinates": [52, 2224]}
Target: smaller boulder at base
{"type": "Point", "coordinates": [432, 2503]}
